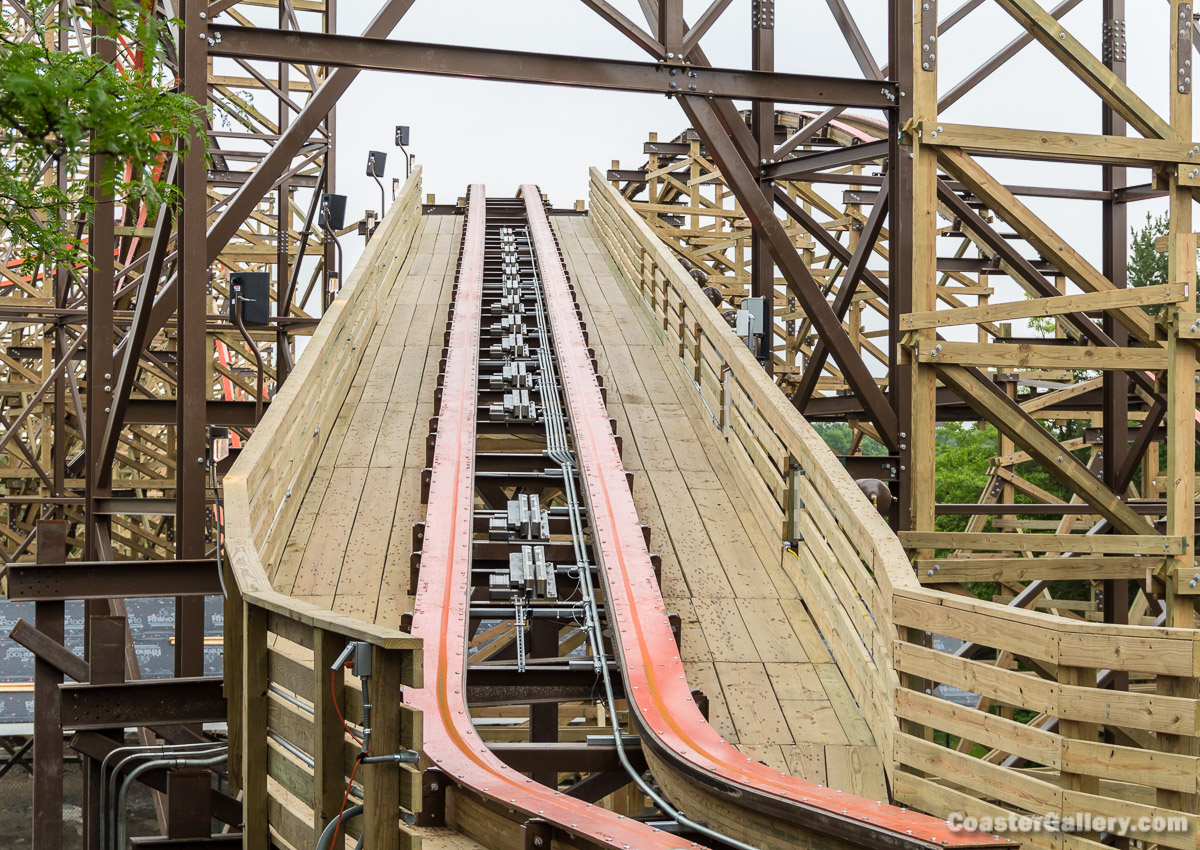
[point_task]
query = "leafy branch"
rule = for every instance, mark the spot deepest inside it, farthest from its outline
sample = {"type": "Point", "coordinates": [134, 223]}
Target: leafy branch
{"type": "Point", "coordinates": [107, 127]}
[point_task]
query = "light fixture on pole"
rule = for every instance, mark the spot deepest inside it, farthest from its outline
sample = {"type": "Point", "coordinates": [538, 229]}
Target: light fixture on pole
{"type": "Point", "coordinates": [402, 143]}
{"type": "Point", "coordinates": [331, 219]}
{"type": "Point", "coordinates": [376, 161]}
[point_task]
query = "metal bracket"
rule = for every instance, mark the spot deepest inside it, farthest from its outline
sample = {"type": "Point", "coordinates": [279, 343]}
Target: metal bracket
{"type": "Point", "coordinates": [1113, 43]}
{"type": "Point", "coordinates": [762, 14]}
{"type": "Point", "coordinates": [1184, 48]}
{"type": "Point", "coordinates": [929, 21]}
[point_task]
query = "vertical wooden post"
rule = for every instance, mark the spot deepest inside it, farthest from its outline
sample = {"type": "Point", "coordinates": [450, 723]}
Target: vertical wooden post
{"type": "Point", "coordinates": [381, 782]}
{"type": "Point", "coordinates": [329, 772]}
{"type": "Point", "coordinates": [922, 433]}
{"type": "Point", "coordinates": [1079, 731]}
{"type": "Point", "coordinates": [233, 675]}
{"type": "Point", "coordinates": [256, 835]}
{"type": "Point", "coordinates": [1181, 395]}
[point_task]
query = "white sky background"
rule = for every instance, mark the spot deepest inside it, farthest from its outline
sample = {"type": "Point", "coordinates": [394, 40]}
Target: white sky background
{"type": "Point", "coordinates": [504, 134]}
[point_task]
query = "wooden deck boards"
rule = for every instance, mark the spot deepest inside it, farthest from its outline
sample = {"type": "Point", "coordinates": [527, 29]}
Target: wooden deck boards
{"type": "Point", "coordinates": [748, 641]}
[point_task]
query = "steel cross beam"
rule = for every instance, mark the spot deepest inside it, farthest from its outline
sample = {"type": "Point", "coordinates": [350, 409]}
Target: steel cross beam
{"type": "Point", "coordinates": [669, 78]}
{"type": "Point", "coordinates": [761, 211]}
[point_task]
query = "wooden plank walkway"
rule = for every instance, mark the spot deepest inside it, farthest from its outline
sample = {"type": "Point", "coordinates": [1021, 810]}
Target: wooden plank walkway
{"type": "Point", "coordinates": [748, 641]}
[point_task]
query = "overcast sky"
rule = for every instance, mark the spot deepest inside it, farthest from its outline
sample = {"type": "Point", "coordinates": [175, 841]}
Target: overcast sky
{"type": "Point", "coordinates": [504, 134]}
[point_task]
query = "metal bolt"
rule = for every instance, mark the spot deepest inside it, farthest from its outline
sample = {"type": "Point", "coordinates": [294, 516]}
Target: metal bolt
{"type": "Point", "coordinates": [107, 376]}
{"type": "Point", "coordinates": [199, 460]}
{"type": "Point", "coordinates": [1062, 36]}
{"type": "Point", "coordinates": [204, 16]}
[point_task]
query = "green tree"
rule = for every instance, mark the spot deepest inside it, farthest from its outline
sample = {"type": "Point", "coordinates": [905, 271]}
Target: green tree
{"type": "Point", "coordinates": [1147, 267]}
{"type": "Point", "coordinates": [60, 108]}
{"type": "Point", "coordinates": [963, 453]}
{"type": "Point", "coordinates": [838, 436]}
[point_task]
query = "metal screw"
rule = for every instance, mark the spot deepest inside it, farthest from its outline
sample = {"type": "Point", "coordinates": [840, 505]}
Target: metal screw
{"type": "Point", "coordinates": [199, 460]}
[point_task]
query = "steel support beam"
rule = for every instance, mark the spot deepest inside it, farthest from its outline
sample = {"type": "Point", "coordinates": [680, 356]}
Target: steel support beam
{"type": "Point", "coordinates": [543, 68]}
{"type": "Point", "coordinates": [761, 212]}
{"type": "Point", "coordinates": [148, 702]}
{"type": "Point", "coordinates": [106, 579]}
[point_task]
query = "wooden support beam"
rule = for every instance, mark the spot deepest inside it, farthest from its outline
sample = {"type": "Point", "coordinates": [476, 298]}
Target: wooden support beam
{"type": "Point", "coordinates": [1054, 306]}
{"type": "Point", "coordinates": [1084, 64]}
{"type": "Point", "coordinates": [1031, 228]}
{"type": "Point", "coordinates": [1010, 355]}
{"type": "Point", "coordinates": [1060, 147]}
{"type": "Point", "coordinates": [957, 570]}
{"type": "Point", "coordinates": [1083, 544]}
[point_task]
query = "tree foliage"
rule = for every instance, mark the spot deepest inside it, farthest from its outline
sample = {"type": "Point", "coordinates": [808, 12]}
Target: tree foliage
{"type": "Point", "coordinates": [1147, 267]}
{"type": "Point", "coordinates": [838, 436]}
{"type": "Point", "coordinates": [61, 108]}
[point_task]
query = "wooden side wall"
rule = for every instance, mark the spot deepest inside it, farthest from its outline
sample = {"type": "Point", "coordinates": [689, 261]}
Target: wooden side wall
{"type": "Point", "coordinates": [290, 755]}
{"type": "Point", "coordinates": [1031, 691]}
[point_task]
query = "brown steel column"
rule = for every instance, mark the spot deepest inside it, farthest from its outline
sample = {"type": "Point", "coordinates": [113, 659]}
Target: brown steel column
{"type": "Point", "coordinates": [106, 636]}
{"type": "Point", "coordinates": [283, 216]}
{"type": "Point", "coordinates": [900, 246]}
{"type": "Point", "coordinates": [762, 268]}
{"type": "Point", "coordinates": [192, 454]}
{"type": "Point", "coordinates": [47, 708]}
{"type": "Point", "coordinates": [543, 717]}
{"type": "Point", "coordinates": [100, 330]}
{"type": "Point", "coordinates": [1115, 227]}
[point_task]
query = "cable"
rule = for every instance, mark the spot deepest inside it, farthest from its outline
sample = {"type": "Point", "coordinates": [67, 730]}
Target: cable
{"type": "Point", "coordinates": [345, 725]}
{"type": "Point", "coordinates": [346, 797]}
{"type": "Point", "coordinates": [220, 519]}
{"type": "Point", "coordinates": [558, 450]}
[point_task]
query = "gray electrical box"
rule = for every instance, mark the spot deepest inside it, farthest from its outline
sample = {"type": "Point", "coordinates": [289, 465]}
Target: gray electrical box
{"type": "Point", "coordinates": [757, 308]}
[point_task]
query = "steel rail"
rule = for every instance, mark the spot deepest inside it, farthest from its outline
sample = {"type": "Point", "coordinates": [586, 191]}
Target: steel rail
{"type": "Point", "coordinates": [671, 724]}
{"type": "Point", "coordinates": [441, 614]}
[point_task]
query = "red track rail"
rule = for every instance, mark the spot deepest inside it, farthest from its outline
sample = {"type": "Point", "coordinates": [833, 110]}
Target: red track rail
{"type": "Point", "coordinates": [440, 615]}
{"type": "Point", "coordinates": [667, 717]}
{"type": "Point", "coordinates": [666, 714]}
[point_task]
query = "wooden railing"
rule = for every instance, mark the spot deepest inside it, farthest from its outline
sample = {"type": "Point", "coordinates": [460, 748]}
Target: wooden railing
{"type": "Point", "coordinates": [289, 753]}
{"type": "Point", "coordinates": [1034, 688]}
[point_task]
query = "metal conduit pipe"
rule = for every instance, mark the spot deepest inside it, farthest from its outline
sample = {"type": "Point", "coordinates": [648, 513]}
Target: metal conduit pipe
{"type": "Point", "coordinates": [325, 842]}
{"type": "Point", "coordinates": [152, 765]}
{"type": "Point", "coordinates": [108, 786]}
